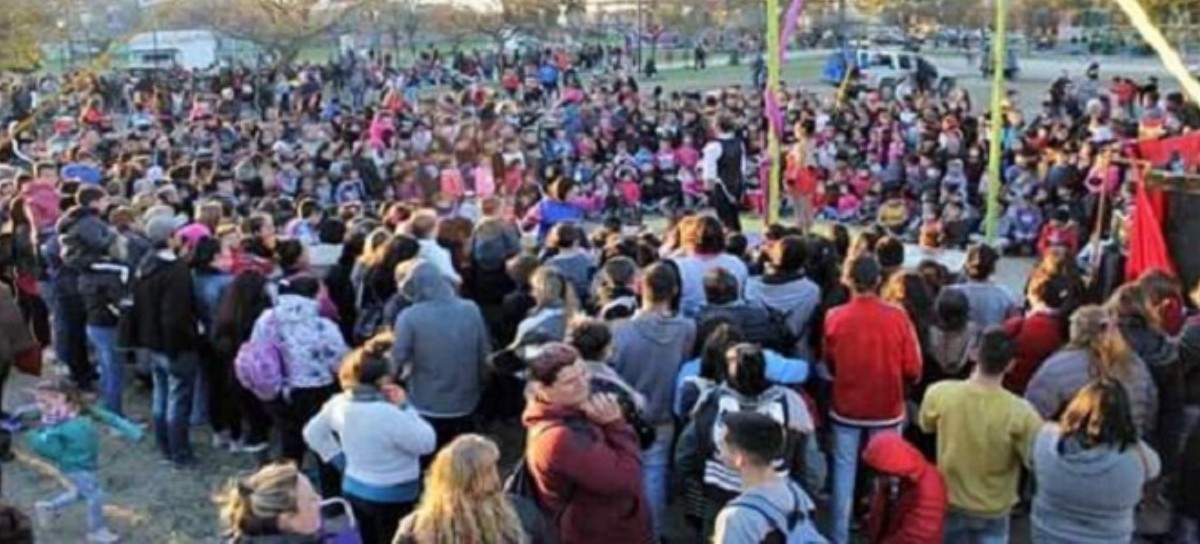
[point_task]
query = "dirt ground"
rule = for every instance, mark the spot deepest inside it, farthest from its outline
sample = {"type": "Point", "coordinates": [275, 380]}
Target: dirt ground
{"type": "Point", "coordinates": [148, 502]}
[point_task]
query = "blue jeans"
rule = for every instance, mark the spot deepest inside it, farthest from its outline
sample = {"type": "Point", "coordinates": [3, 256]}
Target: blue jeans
{"type": "Point", "coordinates": [963, 528]}
{"type": "Point", "coordinates": [200, 397]}
{"type": "Point", "coordinates": [85, 485]}
{"type": "Point", "coordinates": [112, 375]}
{"type": "Point", "coordinates": [655, 467]}
{"type": "Point", "coordinates": [847, 441]}
{"type": "Point", "coordinates": [174, 384]}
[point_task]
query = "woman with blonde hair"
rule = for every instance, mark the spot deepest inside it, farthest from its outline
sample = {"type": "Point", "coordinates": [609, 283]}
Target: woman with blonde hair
{"type": "Point", "coordinates": [464, 501]}
{"type": "Point", "coordinates": [555, 305]}
{"type": "Point", "coordinates": [1096, 349]}
{"type": "Point", "coordinates": [277, 505]}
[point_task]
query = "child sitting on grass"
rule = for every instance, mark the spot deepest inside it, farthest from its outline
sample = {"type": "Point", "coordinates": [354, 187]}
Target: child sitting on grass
{"type": "Point", "coordinates": [68, 439]}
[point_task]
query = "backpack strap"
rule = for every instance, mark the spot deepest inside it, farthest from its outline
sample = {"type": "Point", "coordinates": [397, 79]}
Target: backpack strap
{"type": "Point", "coordinates": [765, 509]}
{"type": "Point", "coordinates": [773, 513]}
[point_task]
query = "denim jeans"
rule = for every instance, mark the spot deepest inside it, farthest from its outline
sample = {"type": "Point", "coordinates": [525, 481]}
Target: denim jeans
{"type": "Point", "coordinates": [963, 528]}
{"type": "Point", "coordinates": [656, 462]}
{"type": "Point", "coordinates": [68, 319]}
{"type": "Point", "coordinates": [174, 384]}
{"type": "Point", "coordinates": [112, 375]}
{"type": "Point", "coordinates": [85, 485]}
{"type": "Point", "coordinates": [200, 396]}
{"type": "Point", "coordinates": [847, 443]}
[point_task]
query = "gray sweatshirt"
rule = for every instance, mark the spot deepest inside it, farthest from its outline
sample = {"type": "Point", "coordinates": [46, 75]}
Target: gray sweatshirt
{"type": "Point", "coordinates": [648, 350]}
{"type": "Point", "coordinates": [1087, 496]}
{"type": "Point", "coordinates": [442, 343]}
{"type": "Point", "coordinates": [1062, 376]}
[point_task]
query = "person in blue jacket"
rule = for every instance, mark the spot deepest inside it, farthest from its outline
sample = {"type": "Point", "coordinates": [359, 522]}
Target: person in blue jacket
{"type": "Point", "coordinates": [700, 375]}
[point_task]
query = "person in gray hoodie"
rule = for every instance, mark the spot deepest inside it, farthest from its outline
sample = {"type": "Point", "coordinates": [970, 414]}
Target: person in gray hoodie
{"type": "Point", "coordinates": [1090, 469]}
{"type": "Point", "coordinates": [648, 350]}
{"type": "Point", "coordinates": [440, 350]}
{"type": "Point", "coordinates": [786, 290]}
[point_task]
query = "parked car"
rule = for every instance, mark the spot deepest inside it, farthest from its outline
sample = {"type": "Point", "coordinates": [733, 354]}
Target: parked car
{"type": "Point", "coordinates": [885, 69]}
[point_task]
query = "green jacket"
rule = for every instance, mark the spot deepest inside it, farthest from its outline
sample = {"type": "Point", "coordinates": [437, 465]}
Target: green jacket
{"type": "Point", "coordinates": [72, 446]}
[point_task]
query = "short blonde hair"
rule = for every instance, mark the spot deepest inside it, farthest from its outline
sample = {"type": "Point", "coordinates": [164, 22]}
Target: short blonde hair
{"type": "Point", "coordinates": [260, 498]}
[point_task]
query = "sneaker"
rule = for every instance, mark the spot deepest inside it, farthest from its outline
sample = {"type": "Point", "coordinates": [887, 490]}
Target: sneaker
{"type": "Point", "coordinates": [43, 515]}
{"type": "Point", "coordinates": [102, 536]}
{"type": "Point", "coordinates": [221, 440]}
{"type": "Point", "coordinates": [235, 446]}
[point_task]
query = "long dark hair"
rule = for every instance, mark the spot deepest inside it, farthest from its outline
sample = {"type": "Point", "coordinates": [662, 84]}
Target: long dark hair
{"type": "Point", "coordinates": [719, 336]}
{"type": "Point", "coordinates": [748, 374]}
{"type": "Point", "coordinates": [244, 300]}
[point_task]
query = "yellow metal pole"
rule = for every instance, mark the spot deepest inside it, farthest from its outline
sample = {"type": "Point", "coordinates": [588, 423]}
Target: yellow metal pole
{"type": "Point", "coordinates": [999, 61]}
{"type": "Point", "coordinates": [774, 56]}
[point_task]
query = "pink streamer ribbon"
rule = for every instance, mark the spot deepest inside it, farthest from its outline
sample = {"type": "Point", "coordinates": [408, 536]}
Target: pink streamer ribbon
{"type": "Point", "coordinates": [771, 107]}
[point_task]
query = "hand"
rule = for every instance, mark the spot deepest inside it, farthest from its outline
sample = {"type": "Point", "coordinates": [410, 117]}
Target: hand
{"type": "Point", "coordinates": [395, 394]}
{"type": "Point", "coordinates": [602, 409]}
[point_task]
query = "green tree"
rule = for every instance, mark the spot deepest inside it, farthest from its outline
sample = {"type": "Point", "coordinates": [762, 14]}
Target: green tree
{"type": "Point", "coordinates": [23, 26]}
{"type": "Point", "coordinates": [281, 27]}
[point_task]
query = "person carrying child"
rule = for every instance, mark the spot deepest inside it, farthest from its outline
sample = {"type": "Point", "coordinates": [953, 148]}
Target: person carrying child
{"type": "Point", "coordinates": [68, 438]}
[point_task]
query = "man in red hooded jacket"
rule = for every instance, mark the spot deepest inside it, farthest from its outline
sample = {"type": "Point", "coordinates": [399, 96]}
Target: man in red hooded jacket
{"type": "Point", "coordinates": [908, 505]}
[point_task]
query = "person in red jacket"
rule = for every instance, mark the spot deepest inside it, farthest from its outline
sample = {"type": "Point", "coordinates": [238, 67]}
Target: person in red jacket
{"type": "Point", "coordinates": [1040, 332]}
{"type": "Point", "coordinates": [582, 456]}
{"type": "Point", "coordinates": [908, 504]}
{"type": "Point", "coordinates": [872, 352]}
{"type": "Point", "coordinates": [1059, 232]}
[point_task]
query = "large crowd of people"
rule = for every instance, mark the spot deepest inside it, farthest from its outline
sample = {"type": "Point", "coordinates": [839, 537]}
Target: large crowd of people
{"type": "Point", "coordinates": [564, 250]}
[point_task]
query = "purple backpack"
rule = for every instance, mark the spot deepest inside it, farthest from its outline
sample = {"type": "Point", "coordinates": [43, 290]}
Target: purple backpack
{"type": "Point", "coordinates": [259, 364]}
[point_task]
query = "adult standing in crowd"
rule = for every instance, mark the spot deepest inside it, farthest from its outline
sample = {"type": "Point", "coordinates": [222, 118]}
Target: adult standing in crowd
{"type": "Point", "coordinates": [647, 352]}
{"type": "Point", "coordinates": [375, 438]}
{"type": "Point", "coordinates": [1095, 349]}
{"type": "Point", "coordinates": [872, 353]}
{"type": "Point", "coordinates": [1090, 468]}
{"type": "Point", "coordinates": [166, 327]}
{"type": "Point", "coordinates": [440, 350]}
{"type": "Point", "coordinates": [310, 348]}
{"type": "Point", "coordinates": [582, 455]}
{"type": "Point", "coordinates": [990, 303]}
{"type": "Point", "coordinates": [702, 249]}
{"type": "Point", "coordinates": [723, 170]}
{"type": "Point", "coordinates": [984, 437]}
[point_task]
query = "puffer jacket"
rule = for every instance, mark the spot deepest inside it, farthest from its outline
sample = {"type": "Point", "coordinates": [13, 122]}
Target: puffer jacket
{"type": "Point", "coordinates": [909, 502]}
{"type": "Point", "coordinates": [1069, 370]}
{"type": "Point", "coordinates": [84, 237]}
{"type": "Point", "coordinates": [312, 345]}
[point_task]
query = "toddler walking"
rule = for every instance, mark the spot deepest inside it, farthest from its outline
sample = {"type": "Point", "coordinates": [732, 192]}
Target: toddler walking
{"type": "Point", "coordinates": [68, 438]}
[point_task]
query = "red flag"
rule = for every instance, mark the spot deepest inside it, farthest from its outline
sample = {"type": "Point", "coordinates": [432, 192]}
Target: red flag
{"type": "Point", "coordinates": [1147, 246]}
{"type": "Point", "coordinates": [1147, 243]}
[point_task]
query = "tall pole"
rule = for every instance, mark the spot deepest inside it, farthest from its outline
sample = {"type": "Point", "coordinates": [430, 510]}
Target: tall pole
{"type": "Point", "coordinates": [638, 69]}
{"type": "Point", "coordinates": [774, 54]}
{"type": "Point", "coordinates": [999, 55]}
